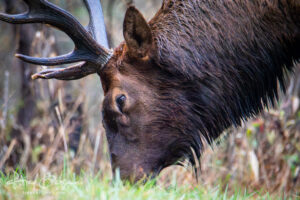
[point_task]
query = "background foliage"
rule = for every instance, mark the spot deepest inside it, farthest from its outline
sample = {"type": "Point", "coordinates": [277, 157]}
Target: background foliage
{"type": "Point", "coordinates": [46, 126]}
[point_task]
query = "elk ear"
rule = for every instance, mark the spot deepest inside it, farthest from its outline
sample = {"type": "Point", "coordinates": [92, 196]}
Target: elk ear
{"type": "Point", "coordinates": [137, 33]}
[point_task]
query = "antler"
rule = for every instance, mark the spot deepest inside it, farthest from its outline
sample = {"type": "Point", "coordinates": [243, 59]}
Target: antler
{"type": "Point", "coordinates": [86, 49]}
{"type": "Point", "coordinates": [97, 25]}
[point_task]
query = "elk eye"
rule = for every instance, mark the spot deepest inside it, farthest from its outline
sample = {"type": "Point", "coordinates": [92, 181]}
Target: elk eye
{"type": "Point", "coordinates": [121, 102]}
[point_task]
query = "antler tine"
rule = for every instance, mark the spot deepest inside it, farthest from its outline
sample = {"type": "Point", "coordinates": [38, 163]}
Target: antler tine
{"type": "Point", "coordinates": [75, 56]}
{"type": "Point", "coordinates": [70, 73]}
{"type": "Point", "coordinates": [42, 11]}
{"type": "Point", "coordinates": [15, 19]}
{"type": "Point", "coordinates": [96, 25]}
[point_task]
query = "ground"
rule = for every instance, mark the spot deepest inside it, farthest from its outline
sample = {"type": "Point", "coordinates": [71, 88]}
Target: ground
{"type": "Point", "coordinates": [86, 186]}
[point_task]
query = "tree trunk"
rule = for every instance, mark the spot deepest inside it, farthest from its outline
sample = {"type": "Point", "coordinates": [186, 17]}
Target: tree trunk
{"type": "Point", "coordinates": [25, 35]}
{"type": "Point", "coordinates": [27, 109]}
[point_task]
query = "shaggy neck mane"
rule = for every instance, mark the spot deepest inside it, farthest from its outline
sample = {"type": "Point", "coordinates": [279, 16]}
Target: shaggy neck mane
{"type": "Point", "coordinates": [226, 57]}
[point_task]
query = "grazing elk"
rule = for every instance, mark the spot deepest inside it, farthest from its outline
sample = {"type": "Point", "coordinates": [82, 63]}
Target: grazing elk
{"type": "Point", "coordinates": [196, 68]}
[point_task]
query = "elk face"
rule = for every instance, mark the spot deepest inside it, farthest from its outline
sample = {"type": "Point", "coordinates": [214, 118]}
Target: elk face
{"type": "Point", "coordinates": [138, 146]}
{"type": "Point", "coordinates": [134, 149]}
{"type": "Point", "coordinates": [139, 132]}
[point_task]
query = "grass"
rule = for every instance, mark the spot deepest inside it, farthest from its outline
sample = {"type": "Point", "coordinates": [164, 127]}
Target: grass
{"type": "Point", "coordinates": [85, 186]}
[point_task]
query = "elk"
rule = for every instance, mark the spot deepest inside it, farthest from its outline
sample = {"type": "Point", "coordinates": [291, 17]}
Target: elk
{"type": "Point", "coordinates": [195, 69]}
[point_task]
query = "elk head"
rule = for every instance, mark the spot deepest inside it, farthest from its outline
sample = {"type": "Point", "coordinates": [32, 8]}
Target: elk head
{"type": "Point", "coordinates": [142, 140]}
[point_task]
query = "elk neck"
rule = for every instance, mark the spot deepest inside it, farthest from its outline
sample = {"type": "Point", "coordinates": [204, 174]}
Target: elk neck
{"type": "Point", "coordinates": [225, 57]}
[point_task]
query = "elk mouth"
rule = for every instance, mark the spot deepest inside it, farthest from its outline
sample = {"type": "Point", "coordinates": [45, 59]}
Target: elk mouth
{"type": "Point", "coordinates": [138, 177]}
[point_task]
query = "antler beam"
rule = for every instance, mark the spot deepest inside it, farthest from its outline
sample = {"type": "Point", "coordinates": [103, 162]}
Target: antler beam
{"type": "Point", "coordinates": [86, 47]}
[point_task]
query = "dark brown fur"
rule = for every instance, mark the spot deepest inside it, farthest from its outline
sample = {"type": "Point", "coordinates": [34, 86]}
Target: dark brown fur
{"type": "Point", "coordinates": [207, 65]}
